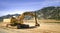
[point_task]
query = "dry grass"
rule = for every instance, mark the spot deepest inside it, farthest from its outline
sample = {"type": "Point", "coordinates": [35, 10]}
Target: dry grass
{"type": "Point", "coordinates": [43, 20]}
{"type": "Point", "coordinates": [44, 28]}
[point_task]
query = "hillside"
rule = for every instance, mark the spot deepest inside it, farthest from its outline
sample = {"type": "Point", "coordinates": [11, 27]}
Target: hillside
{"type": "Point", "coordinates": [44, 13]}
{"type": "Point", "coordinates": [49, 13]}
{"type": "Point", "coordinates": [8, 16]}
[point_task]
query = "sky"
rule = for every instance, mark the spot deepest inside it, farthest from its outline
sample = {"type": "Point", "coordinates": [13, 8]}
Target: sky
{"type": "Point", "coordinates": [20, 6]}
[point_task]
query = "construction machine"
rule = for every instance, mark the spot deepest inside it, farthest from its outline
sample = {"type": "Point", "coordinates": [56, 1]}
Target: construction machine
{"type": "Point", "coordinates": [18, 21]}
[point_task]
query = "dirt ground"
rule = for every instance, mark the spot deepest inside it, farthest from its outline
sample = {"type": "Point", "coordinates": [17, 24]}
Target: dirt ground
{"type": "Point", "coordinates": [43, 28]}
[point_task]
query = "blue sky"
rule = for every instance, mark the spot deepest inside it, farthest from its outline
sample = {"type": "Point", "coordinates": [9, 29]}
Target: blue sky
{"type": "Point", "coordinates": [20, 6]}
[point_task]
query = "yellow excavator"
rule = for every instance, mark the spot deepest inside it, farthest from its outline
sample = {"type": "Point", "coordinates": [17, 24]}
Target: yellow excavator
{"type": "Point", "coordinates": [18, 21]}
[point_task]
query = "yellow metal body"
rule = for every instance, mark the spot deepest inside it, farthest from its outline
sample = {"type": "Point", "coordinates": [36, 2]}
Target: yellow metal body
{"type": "Point", "coordinates": [19, 19]}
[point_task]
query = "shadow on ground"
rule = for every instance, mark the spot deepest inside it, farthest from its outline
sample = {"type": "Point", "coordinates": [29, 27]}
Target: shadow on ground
{"type": "Point", "coordinates": [30, 27]}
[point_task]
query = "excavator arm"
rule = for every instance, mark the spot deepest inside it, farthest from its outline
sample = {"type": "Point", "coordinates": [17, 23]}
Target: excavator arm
{"type": "Point", "coordinates": [21, 17]}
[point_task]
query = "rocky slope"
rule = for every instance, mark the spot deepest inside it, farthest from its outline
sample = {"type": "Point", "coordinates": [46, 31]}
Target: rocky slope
{"type": "Point", "coordinates": [49, 13]}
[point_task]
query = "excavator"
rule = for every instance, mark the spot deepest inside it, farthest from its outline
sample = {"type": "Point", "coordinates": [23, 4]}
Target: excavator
{"type": "Point", "coordinates": [18, 21]}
